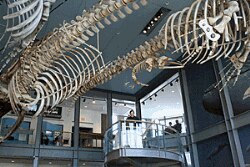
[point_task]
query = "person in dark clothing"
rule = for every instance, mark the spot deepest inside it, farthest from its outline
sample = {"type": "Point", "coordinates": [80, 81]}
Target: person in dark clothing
{"type": "Point", "coordinates": [58, 140]}
{"type": "Point", "coordinates": [131, 117]}
{"type": "Point", "coordinates": [168, 130]}
{"type": "Point", "coordinates": [177, 126]}
{"type": "Point", "coordinates": [44, 139]}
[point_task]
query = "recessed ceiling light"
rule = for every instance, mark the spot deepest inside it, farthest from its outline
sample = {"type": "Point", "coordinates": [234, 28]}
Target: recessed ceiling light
{"type": "Point", "coordinates": [93, 101]}
{"type": "Point", "coordinates": [50, 163]}
{"type": "Point", "coordinates": [172, 91]}
{"type": "Point", "coordinates": [12, 161]}
{"type": "Point", "coordinates": [83, 164]}
{"type": "Point", "coordinates": [85, 106]}
{"type": "Point", "coordinates": [159, 15]}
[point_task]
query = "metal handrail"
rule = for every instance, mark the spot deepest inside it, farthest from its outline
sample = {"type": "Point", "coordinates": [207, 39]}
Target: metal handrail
{"type": "Point", "coordinates": [118, 134]}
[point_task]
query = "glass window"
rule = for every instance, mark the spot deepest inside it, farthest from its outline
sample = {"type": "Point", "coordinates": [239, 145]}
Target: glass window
{"type": "Point", "coordinates": [23, 135]}
{"type": "Point", "coordinates": [93, 121]}
{"type": "Point", "coordinates": [164, 104]}
{"type": "Point", "coordinates": [121, 109]}
{"type": "Point", "coordinates": [58, 124]}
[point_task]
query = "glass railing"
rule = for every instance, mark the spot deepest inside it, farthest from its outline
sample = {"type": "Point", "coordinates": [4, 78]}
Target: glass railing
{"type": "Point", "coordinates": [167, 120]}
{"type": "Point", "coordinates": [143, 135]}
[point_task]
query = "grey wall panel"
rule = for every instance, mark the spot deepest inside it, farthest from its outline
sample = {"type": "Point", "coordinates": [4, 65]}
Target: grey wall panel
{"type": "Point", "coordinates": [237, 92]}
{"type": "Point", "coordinates": [97, 155]}
{"type": "Point", "coordinates": [237, 89]}
{"type": "Point", "coordinates": [215, 152]}
{"type": "Point", "coordinates": [199, 78]}
{"type": "Point", "coordinates": [6, 151]}
{"type": "Point", "coordinates": [244, 134]}
{"type": "Point", "coordinates": [56, 153]}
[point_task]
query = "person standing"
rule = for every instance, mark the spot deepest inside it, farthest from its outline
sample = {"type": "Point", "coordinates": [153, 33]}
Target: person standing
{"type": "Point", "coordinates": [132, 138]}
{"type": "Point", "coordinates": [59, 140]}
{"type": "Point", "coordinates": [177, 126]}
{"type": "Point", "coordinates": [168, 130]}
{"type": "Point", "coordinates": [131, 118]}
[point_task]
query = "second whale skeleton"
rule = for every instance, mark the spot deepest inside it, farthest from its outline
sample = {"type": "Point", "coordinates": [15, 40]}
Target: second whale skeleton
{"type": "Point", "coordinates": [211, 30]}
{"type": "Point", "coordinates": [206, 30]}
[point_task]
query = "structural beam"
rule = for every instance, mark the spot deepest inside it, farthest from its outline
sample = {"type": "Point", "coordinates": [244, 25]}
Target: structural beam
{"type": "Point", "coordinates": [138, 108]}
{"type": "Point", "coordinates": [109, 109]}
{"type": "Point", "coordinates": [189, 119]}
{"type": "Point", "coordinates": [76, 133]}
{"type": "Point", "coordinates": [232, 131]}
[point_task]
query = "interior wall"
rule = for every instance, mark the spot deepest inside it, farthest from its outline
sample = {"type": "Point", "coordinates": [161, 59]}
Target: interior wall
{"type": "Point", "coordinates": [215, 152]}
{"type": "Point", "coordinates": [15, 165]}
{"type": "Point", "coordinates": [237, 91]}
{"type": "Point", "coordinates": [199, 78]}
{"type": "Point", "coordinates": [91, 119]}
{"type": "Point", "coordinates": [53, 164]}
{"type": "Point", "coordinates": [66, 122]}
{"type": "Point", "coordinates": [244, 134]}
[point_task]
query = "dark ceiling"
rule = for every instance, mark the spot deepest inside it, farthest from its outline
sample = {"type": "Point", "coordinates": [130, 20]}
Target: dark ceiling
{"type": "Point", "coordinates": [116, 39]}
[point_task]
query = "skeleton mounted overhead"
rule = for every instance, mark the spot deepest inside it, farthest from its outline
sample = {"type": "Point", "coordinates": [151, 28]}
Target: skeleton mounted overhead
{"type": "Point", "coordinates": [24, 19]}
{"type": "Point", "coordinates": [162, 62]}
{"type": "Point", "coordinates": [211, 29]}
{"type": "Point", "coordinates": [58, 67]}
{"type": "Point", "coordinates": [247, 93]}
{"type": "Point", "coordinates": [53, 69]}
{"type": "Point", "coordinates": [206, 30]}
